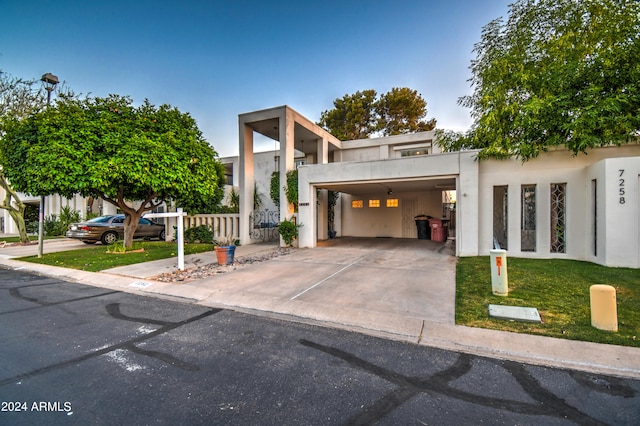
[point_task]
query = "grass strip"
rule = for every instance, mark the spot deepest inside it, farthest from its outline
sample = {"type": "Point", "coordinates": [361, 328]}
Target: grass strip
{"type": "Point", "coordinates": [96, 258]}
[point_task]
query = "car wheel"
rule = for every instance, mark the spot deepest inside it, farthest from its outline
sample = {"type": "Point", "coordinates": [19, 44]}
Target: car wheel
{"type": "Point", "coordinates": [162, 236]}
{"type": "Point", "coordinates": [109, 238]}
{"type": "Point", "coordinates": [89, 242]}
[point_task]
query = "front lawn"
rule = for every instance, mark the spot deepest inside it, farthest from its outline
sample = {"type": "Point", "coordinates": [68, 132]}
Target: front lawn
{"type": "Point", "coordinates": [559, 289]}
{"type": "Point", "coordinates": [97, 259]}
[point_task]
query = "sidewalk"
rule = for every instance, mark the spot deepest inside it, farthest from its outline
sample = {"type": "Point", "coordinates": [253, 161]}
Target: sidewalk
{"type": "Point", "coordinates": [365, 289]}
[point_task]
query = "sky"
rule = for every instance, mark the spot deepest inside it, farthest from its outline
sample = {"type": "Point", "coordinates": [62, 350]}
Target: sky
{"type": "Point", "coordinates": [217, 59]}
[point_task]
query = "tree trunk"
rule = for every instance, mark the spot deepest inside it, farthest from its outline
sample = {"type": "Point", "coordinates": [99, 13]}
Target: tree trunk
{"type": "Point", "coordinates": [16, 209]}
{"type": "Point", "coordinates": [18, 218]}
{"type": "Point", "coordinates": [130, 226]}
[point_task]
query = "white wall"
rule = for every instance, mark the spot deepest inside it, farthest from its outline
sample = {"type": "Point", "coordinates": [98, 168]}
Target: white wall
{"type": "Point", "coordinates": [617, 224]}
{"type": "Point", "coordinates": [618, 197]}
{"type": "Point", "coordinates": [387, 221]}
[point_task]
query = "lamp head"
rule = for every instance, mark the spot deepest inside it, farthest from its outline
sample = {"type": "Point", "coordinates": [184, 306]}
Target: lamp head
{"type": "Point", "coordinates": [49, 80]}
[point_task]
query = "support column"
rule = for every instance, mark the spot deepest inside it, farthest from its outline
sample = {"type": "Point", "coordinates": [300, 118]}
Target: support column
{"type": "Point", "coordinates": [323, 199]}
{"type": "Point", "coordinates": [323, 214]}
{"type": "Point", "coordinates": [287, 154]}
{"type": "Point", "coordinates": [323, 150]}
{"type": "Point", "coordinates": [306, 214]}
{"type": "Point", "coordinates": [246, 181]}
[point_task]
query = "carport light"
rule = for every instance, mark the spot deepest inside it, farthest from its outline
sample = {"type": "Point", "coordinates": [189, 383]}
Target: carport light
{"type": "Point", "coordinates": [389, 192]}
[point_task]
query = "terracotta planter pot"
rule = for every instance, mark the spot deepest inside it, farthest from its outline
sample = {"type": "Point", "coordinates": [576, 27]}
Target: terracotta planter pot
{"type": "Point", "coordinates": [225, 254]}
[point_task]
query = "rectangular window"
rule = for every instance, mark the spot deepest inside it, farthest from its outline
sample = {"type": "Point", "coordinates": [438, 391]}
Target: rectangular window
{"type": "Point", "coordinates": [558, 218]}
{"type": "Point", "coordinates": [528, 218]}
{"type": "Point", "coordinates": [500, 217]}
{"type": "Point", "coordinates": [374, 203]}
{"type": "Point", "coordinates": [413, 152]}
{"type": "Point", "coordinates": [392, 202]}
{"type": "Point", "coordinates": [357, 204]}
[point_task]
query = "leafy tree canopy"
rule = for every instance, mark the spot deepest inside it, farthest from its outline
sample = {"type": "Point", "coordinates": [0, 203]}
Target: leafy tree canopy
{"type": "Point", "coordinates": [354, 116]}
{"type": "Point", "coordinates": [556, 73]}
{"type": "Point", "coordinates": [133, 157]}
{"type": "Point", "coordinates": [403, 110]}
{"type": "Point", "coordinates": [363, 114]}
{"type": "Point", "coordinates": [18, 99]}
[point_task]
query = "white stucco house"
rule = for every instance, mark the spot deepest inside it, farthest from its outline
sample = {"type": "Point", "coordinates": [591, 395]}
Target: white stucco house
{"type": "Point", "coordinates": [583, 207]}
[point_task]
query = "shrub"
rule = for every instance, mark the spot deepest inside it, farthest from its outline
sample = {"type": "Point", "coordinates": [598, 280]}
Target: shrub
{"type": "Point", "coordinates": [52, 226]}
{"type": "Point", "coordinates": [288, 230]}
{"type": "Point", "coordinates": [198, 234]}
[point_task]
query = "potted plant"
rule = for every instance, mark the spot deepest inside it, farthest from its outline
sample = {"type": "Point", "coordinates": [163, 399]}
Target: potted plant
{"type": "Point", "coordinates": [225, 250]}
{"type": "Point", "coordinates": [288, 230]}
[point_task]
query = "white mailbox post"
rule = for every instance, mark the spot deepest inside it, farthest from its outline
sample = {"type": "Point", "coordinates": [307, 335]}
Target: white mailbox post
{"type": "Point", "coordinates": [179, 214]}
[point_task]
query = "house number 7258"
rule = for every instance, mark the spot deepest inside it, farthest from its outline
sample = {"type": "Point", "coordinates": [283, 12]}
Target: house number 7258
{"type": "Point", "coordinates": [621, 192]}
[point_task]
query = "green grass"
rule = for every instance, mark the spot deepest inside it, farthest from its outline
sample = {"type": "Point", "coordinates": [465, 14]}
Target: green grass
{"type": "Point", "coordinates": [97, 259]}
{"type": "Point", "coordinates": [559, 289]}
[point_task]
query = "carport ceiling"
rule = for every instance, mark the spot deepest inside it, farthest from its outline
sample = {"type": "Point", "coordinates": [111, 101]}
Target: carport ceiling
{"type": "Point", "coordinates": [397, 186]}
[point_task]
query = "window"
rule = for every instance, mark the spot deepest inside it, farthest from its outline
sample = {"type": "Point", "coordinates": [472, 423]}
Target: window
{"type": "Point", "coordinates": [374, 203]}
{"type": "Point", "coordinates": [412, 152]}
{"type": "Point", "coordinates": [420, 148]}
{"type": "Point", "coordinates": [500, 217]}
{"type": "Point", "coordinates": [356, 204]}
{"type": "Point", "coordinates": [528, 218]}
{"type": "Point", "coordinates": [558, 218]}
{"type": "Point", "coordinates": [392, 202]}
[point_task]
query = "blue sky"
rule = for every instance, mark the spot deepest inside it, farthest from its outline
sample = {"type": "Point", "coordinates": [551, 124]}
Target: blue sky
{"type": "Point", "coordinates": [218, 59]}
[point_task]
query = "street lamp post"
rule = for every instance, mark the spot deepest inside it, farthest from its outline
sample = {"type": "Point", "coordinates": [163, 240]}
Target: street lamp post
{"type": "Point", "coordinates": [50, 81]}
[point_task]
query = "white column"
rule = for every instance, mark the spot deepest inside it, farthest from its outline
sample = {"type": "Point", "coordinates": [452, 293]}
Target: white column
{"type": "Point", "coordinates": [246, 181]}
{"type": "Point", "coordinates": [323, 199]}
{"type": "Point", "coordinates": [306, 212]}
{"type": "Point", "coordinates": [286, 136]}
{"type": "Point", "coordinates": [323, 150]}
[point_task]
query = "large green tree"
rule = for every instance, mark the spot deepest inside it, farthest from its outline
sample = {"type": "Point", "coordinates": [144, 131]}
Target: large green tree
{"type": "Point", "coordinates": [364, 114]}
{"type": "Point", "coordinates": [556, 73]}
{"type": "Point", "coordinates": [353, 116]}
{"type": "Point", "coordinates": [18, 99]}
{"type": "Point", "coordinates": [403, 110]}
{"type": "Point", "coordinates": [134, 157]}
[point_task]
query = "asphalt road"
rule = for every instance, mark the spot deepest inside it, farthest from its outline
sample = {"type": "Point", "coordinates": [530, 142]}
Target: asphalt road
{"type": "Point", "coordinates": [75, 354]}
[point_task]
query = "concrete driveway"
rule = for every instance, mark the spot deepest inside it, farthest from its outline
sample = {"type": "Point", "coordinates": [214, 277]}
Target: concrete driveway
{"type": "Point", "coordinates": [364, 276]}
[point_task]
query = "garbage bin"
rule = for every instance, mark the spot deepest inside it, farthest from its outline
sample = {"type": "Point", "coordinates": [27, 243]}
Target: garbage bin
{"type": "Point", "coordinates": [439, 229]}
{"type": "Point", "coordinates": [422, 224]}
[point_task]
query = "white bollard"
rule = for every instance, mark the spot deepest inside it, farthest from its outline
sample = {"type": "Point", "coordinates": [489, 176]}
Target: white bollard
{"type": "Point", "coordinates": [499, 280]}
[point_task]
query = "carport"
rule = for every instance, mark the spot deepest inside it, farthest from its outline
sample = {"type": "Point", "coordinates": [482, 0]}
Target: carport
{"type": "Point", "coordinates": [417, 183]}
{"type": "Point", "coordinates": [387, 208]}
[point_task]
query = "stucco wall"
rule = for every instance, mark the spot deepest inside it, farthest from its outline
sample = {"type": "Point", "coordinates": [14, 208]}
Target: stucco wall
{"type": "Point", "coordinates": [395, 222]}
{"type": "Point", "coordinates": [617, 224]}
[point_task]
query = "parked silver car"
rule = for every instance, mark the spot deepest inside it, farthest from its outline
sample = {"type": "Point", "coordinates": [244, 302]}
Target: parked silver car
{"type": "Point", "coordinates": [110, 228]}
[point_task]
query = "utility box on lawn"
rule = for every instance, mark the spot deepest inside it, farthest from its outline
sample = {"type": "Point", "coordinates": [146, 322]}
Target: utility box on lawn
{"type": "Point", "coordinates": [499, 280]}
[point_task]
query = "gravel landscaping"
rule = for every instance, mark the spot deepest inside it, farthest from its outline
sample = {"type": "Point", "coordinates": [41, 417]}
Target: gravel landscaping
{"type": "Point", "coordinates": [212, 269]}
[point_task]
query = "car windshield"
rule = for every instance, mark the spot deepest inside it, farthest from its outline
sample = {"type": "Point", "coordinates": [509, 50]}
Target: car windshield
{"type": "Point", "coordinates": [100, 219]}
